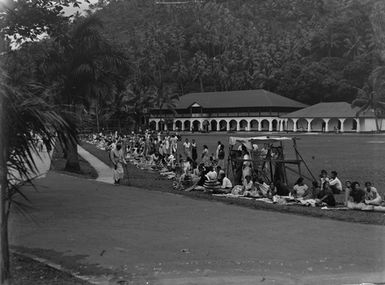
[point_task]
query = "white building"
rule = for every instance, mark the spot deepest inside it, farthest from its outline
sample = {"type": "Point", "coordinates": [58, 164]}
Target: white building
{"type": "Point", "coordinates": [245, 110]}
{"type": "Point", "coordinates": [332, 117]}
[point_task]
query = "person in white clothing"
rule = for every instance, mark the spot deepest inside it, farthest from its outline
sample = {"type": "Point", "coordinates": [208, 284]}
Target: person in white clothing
{"type": "Point", "coordinates": [372, 197]}
{"type": "Point", "coordinates": [117, 158]}
{"type": "Point", "coordinates": [335, 183]}
{"type": "Point", "coordinates": [226, 183]}
{"type": "Point", "coordinates": [300, 188]}
{"type": "Point", "coordinates": [217, 150]}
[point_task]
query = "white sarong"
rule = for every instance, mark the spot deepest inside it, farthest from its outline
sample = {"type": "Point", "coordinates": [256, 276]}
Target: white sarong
{"type": "Point", "coordinates": [118, 172]}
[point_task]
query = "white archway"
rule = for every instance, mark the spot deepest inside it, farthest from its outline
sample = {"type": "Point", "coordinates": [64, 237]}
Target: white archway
{"type": "Point", "coordinates": [206, 126]}
{"type": "Point", "coordinates": [274, 125]}
{"type": "Point", "coordinates": [233, 125]}
{"type": "Point", "coordinates": [187, 125]}
{"type": "Point", "coordinates": [222, 125]}
{"type": "Point", "coordinates": [161, 125]}
{"type": "Point", "coordinates": [265, 125]}
{"type": "Point", "coordinates": [318, 125]}
{"type": "Point", "coordinates": [334, 125]}
{"type": "Point", "coordinates": [152, 125]}
{"type": "Point", "coordinates": [214, 125]}
{"type": "Point", "coordinates": [243, 125]}
{"type": "Point", "coordinates": [302, 125]}
{"type": "Point", "coordinates": [254, 125]}
{"type": "Point", "coordinates": [178, 125]}
{"type": "Point", "coordinates": [196, 126]}
{"type": "Point", "coordinates": [350, 125]}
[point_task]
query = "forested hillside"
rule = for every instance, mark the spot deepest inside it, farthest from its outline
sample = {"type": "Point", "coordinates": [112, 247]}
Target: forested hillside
{"type": "Point", "coordinates": [308, 50]}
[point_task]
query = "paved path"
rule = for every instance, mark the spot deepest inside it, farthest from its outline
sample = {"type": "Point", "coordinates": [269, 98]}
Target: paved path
{"type": "Point", "coordinates": [103, 170]}
{"type": "Point", "coordinates": [149, 237]}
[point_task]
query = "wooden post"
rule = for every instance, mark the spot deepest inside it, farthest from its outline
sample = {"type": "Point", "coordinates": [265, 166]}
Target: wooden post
{"type": "Point", "coordinates": [297, 156]}
{"type": "Point", "coordinates": [283, 164]}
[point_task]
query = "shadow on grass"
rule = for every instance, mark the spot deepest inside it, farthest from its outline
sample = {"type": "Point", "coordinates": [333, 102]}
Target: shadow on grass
{"type": "Point", "coordinates": [58, 164]}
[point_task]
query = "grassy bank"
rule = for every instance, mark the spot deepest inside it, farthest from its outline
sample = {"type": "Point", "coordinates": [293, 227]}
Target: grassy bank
{"type": "Point", "coordinates": [154, 182]}
{"type": "Point", "coordinates": [58, 164]}
{"type": "Point", "coordinates": [26, 271]}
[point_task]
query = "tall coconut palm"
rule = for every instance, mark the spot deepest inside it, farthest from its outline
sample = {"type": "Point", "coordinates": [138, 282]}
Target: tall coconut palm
{"type": "Point", "coordinates": [372, 96]}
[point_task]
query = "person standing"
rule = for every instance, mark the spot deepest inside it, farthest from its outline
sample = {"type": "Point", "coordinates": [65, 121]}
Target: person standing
{"type": "Point", "coordinates": [221, 156]}
{"type": "Point", "coordinates": [117, 158]}
{"type": "Point", "coordinates": [187, 148]}
{"type": "Point", "coordinates": [167, 144]}
{"type": "Point", "coordinates": [217, 150]}
{"type": "Point", "coordinates": [205, 156]}
{"type": "Point", "coordinates": [174, 144]}
{"type": "Point", "coordinates": [194, 150]}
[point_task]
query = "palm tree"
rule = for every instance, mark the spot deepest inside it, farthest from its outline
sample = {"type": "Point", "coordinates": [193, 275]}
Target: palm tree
{"type": "Point", "coordinates": [87, 70]}
{"type": "Point", "coordinates": [25, 113]}
{"type": "Point", "coordinates": [372, 96]}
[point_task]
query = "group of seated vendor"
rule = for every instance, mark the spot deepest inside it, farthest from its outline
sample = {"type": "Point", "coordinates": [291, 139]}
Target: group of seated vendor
{"type": "Point", "coordinates": [201, 175]}
{"type": "Point", "coordinates": [320, 193]}
{"type": "Point", "coordinates": [258, 188]}
{"type": "Point", "coordinates": [356, 196]}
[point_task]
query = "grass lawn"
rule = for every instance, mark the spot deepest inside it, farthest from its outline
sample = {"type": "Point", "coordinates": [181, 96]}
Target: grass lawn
{"type": "Point", "coordinates": [58, 164]}
{"type": "Point", "coordinates": [153, 181]}
{"type": "Point", "coordinates": [355, 157]}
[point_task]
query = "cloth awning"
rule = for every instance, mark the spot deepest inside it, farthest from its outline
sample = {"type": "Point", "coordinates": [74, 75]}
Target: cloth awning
{"type": "Point", "coordinates": [234, 140]}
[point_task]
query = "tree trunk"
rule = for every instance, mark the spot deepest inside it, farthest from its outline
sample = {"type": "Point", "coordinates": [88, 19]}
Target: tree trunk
{"type": "Point", "coordinates": [377, 123]}
{"type": "Point", "coordinates": [97, 120]}
{"type": "Point", "coordinates": [72, 163]}
{"type": "Point", "coordinates": [4, 247]}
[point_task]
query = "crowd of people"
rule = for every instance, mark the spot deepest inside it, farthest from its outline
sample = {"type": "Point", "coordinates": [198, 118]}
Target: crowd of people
{"type": "Point", "coordinates": [197, 169]}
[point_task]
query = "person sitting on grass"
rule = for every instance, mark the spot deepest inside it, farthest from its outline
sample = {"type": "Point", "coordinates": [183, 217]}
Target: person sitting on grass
{"type": "Point", "coordinates": [211, 174]}
{"type": "Point", "coordinates": [356, 197]}
{"type": "Point", "coordinates": [348, 189]}
{"type": "Point", "coordinates": [281, 189]}
{"type": "Point", "coordinates": [248, 186]}
{"type": "Point", "coordinates": [371, 195]}
{"type": "Point", "coordinates": [264, 189]}
{"type": "Point", "coordinates": [326, 196]}
{"type": "Point", "coordinates": [335, 183]}
{"type": "Point", "coordinates": [226, 184]}
{"type": "Point", "coordinates": [300, 188]}
{"type": "Point", "coordinates": [312, 192]}
{"type": "Point", "coordinates": [323, 178]}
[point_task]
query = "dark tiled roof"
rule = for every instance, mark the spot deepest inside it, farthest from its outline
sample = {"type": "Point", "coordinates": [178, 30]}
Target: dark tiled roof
{"type": "Point", "coordinates": [328, 110]}
{"type": "Point", "coordinates": [237, 99]}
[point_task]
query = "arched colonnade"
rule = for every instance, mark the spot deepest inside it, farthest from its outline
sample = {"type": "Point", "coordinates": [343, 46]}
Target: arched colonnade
{"type": "Point", "coordinates": [261, 124]}
{"type": "Point", "coordinates": [266, 124]}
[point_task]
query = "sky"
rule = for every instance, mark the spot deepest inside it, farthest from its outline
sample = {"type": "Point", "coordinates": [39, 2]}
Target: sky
{"type": "Point", "coordinates": [83, 6]}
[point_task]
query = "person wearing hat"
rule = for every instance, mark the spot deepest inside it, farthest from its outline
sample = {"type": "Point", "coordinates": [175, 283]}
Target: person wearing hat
{"type": "Point", "coordinates": [117, 158]}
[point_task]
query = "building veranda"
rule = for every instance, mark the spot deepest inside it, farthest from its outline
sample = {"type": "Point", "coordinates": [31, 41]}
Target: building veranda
{"type": "Point", "coordinates": [260, 111]}
{"type": "Point", "coordinates": [247, 110]}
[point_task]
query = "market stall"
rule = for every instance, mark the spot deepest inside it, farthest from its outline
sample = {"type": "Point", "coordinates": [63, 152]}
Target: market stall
{"type": "Point", "coordinates": [266, 156]}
